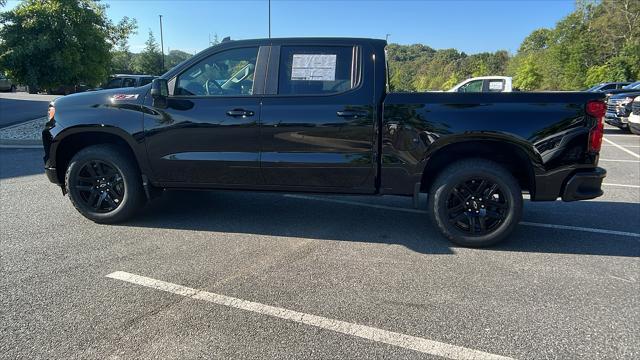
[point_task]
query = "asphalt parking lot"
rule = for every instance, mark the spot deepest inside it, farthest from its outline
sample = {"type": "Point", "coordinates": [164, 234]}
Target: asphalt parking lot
{"type": "Point", "coordinates": [261, 275]}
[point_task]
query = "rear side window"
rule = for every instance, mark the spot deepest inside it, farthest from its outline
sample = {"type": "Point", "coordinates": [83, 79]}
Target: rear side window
{"type": "Point", "coordinates": [317, 70]}
{"type": "Point", "coordinates": [128, 82]}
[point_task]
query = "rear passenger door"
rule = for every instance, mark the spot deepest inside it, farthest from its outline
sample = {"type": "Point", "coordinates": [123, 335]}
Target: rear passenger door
{"type": "Point", "coordinates": [317, 123]}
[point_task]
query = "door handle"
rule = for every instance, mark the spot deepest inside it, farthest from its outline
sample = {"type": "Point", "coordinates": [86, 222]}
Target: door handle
{"type": "Point", "coordinates": [351, 114]}
{"type": "Point", "coordinates": [240, 112]}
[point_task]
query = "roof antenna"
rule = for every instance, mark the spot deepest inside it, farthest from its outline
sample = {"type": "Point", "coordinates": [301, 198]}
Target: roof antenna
{"type": "Point", "coordinates": [228, 38]}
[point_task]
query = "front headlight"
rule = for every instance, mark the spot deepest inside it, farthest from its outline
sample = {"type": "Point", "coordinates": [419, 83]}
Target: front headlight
{"type": "Point", "coordinates": [51, 112]}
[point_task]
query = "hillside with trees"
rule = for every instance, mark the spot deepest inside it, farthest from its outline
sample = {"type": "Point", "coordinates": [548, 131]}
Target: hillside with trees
{"type": "Point", "coordinates": [599, 41]}
{"type": "Point", "coordinates": [61, 42]}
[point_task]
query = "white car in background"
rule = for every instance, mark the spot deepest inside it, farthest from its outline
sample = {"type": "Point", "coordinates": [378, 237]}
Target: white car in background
{"type": "Point", "coordinates": [484, 84]}
{"type": "Point", "coordinates": [634, 117]}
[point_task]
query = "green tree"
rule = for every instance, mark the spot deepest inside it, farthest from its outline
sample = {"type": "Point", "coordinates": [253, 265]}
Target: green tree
{"type": "Point", "coordinates": [48, 43]}
{"type": "Point", "coordinates": [149, 61]}
{"type": "Point", "coordinates": [121, 56]}
{"type": "Point", "coordinates": [174, 57]}
{"type": "Point", "coordinates": [528, 76]}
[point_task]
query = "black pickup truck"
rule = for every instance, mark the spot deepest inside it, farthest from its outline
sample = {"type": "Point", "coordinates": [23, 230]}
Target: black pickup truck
{"type": "Point", "coordinates": [315, 115]}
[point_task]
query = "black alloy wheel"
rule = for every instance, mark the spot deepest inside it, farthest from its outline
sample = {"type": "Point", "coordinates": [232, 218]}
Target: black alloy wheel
{"type": "Point", "coordinates": [100, 186]}
{"type": "Point", "coordinates": [475, 202]}
{"type": "Point", "coordinates": [104, 183]}
{"type": "Point", "coordinates": [477, 206]}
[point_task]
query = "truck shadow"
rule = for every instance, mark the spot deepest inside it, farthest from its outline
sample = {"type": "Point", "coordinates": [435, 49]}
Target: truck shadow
{"type": "Point", "coordinates": [277, 215]}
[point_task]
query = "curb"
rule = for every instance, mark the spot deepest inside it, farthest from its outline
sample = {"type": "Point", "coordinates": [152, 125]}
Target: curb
{"type": "Point", "coordinates": [9, 143]}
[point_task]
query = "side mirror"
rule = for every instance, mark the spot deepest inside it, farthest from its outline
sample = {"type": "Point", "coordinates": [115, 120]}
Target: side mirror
{"type": "Point", "coordinates": [159, 92]}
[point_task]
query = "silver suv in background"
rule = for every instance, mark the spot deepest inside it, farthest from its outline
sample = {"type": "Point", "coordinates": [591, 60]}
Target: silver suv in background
{"type": "Point", "coordinates": [126, 80]}
{"type": "Point", "coordinates": [6, 84]}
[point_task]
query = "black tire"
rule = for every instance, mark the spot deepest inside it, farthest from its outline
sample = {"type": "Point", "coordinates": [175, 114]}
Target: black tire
{"type": "Point", "coordinates": [117, 184]}
{"type": "Point", "coordinates": [488, 218]}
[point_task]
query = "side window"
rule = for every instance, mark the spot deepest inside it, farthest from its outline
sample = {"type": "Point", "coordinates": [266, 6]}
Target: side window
{"type": "Point", "coordinates": [313, 70]}
{"type": "Point", "coordinates": [495, 85]}
{"type": "Point", "coordinates": [228, 73]}
{"type": "Point", "coordinates": [128, 82]}
{"type": "Point", "coordinates": [471, 86]}
{"type": "Point", "coordinates": [608, 87]}
{"type": "Point", "coordinates": [145, 81]}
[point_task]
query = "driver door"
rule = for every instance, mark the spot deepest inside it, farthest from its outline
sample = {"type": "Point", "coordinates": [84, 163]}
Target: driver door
{"type": "Point", "coordinates": [209, 133]}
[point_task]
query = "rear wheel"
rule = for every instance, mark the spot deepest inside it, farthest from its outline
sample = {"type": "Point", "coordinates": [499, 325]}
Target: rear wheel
{"type": "Point", "coordinates": [104, 184]}
{"type": "Point", "coordinates": [475, 203]}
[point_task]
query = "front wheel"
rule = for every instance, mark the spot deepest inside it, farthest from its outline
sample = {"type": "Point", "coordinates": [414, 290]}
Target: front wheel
{"type": "Point", "coordinates": [475, 203]}
{"type": "Point", "coordinates": [104, 184]}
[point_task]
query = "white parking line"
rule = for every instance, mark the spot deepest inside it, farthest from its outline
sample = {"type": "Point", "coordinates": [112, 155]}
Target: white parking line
{"type": "Point", "coordinates": [526, 223]}
{"type": "Point", "coordinates": [629, 146]}
{"type": "Point", "coordinates": [618, 160]}
{"type": "Point", "coordinates": [579, 228]}
{"type": "Point", "coordinates": [366, 332]}
{"type": "Point", "coordinates": [621, 185]}
{"type": "Point", "coordinates": [621, 148]}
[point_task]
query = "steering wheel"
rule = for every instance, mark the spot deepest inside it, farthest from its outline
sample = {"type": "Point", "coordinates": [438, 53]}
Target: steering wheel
{"type": "Point", "coordinates": [239, 75]}
{"type": "Point", "coordinates": [209, 81]}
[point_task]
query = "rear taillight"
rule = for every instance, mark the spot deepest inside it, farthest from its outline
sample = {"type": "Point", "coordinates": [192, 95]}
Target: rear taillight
{"type": "Point", "coordinates": [597, 109]}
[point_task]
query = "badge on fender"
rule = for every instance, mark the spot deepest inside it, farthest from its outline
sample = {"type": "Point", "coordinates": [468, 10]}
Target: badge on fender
{"type": "Point", "coordinates": [118, 97]}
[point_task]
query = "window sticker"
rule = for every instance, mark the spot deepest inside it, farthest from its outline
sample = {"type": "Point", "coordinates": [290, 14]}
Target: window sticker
{"type": "Point", "coordinates": [313, 67]}
{"type": "Point", "coordinates": [495, 85]}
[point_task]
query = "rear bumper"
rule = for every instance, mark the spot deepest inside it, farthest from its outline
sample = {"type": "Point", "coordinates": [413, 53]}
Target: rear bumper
{"type": "Point", "coordinates": [584, 185]}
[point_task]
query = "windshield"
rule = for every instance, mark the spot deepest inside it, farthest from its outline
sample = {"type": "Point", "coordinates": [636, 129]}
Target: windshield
{"type": "Point", "coordinates": [594, 88]}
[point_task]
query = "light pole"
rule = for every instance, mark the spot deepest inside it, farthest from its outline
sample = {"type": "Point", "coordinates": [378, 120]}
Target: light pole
{"type": "Point", "coordinates": [161, 43]}
{"type": "Point", "coordinates": [269, 19]}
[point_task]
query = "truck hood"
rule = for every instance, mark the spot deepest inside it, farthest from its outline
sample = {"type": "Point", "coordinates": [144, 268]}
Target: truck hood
{"type": "Point", "coordinates": [104, 97]}
{"type": "Point", "coordinates": [625, 95]}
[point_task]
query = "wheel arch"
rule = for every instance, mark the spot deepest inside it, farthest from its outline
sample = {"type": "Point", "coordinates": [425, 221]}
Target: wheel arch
{"type": "Point", "coordinates": [72, 140]}
{"type": "Point", "coordinates": [512, 156]}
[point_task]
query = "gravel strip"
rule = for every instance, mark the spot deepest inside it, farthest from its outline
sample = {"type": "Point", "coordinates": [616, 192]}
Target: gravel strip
{"type": "Point", "coordinates": [30, 130]}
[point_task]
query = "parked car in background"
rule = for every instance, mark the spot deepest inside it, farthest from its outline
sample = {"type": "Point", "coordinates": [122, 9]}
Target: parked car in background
{"type": "Point", "coordinates": [6, 84]}
{"type": "Point", "coordinates": [603, 87]}
{"type": "Point", "coordinates": [126, 80]}
{"type": "Point", "coordinates": [619, 108]}
{"type": "Point", "coordinates": [484, 84]}
{"type": "Point", "coordinates": [627, 88]}
{"type": "Point", "coordinates": [634, 118]}
{"type": "Point", "coordinates": [67, 89]}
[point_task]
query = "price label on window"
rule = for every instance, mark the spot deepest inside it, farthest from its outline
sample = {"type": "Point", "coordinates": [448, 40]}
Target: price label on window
{"type": "Point", "coordinates": [495, 85]}
{"type": "Point", "coordinates": [313, 67]}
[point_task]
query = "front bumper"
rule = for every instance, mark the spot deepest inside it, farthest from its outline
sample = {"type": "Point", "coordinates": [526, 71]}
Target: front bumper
{"type": "Point", "coordinates": [52, 175]}
{"type": "Point", "coordinates": [584, 185]}
{"type": "Point", "coordinates": [617, 121]}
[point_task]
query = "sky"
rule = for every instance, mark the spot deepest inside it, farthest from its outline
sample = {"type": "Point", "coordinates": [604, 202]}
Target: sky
{"type": "Point", "coordinates": [471, 26]}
